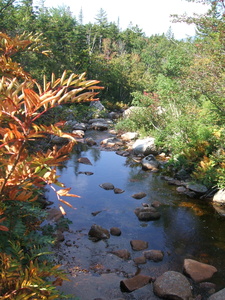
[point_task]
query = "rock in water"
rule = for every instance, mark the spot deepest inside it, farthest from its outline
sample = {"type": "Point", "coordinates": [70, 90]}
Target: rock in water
{"type": "Point", "coordinates": [138, 245]}
{"type": "Point", "coordinates": [154, 255]}
{"type": "Point", "coordinates": [139, 195]}
{"type": "Point", "coordinates": [147, 214]}
{"type": "Point", "coordinates": [198, 271]}
{"type": "Point", "coordinates": [172, 285]}
{"type": "Point", "coordinates": [122, 253]}
{"type": "Point", "coordinates": [97, 233]}
{"type": "Point", "coordinates": [145, 146]}
{"type": "Point", "coordinates": [132, 284]}
{"type": "Point", "coordinates": [107, 186]}
{"type": "Point", "coordinates": [115, 231]}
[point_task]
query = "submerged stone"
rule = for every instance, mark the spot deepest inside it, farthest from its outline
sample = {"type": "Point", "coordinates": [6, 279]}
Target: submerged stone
{"type": "Point", "coordinates": [139, 195]}
{"type": "Point", "coordinates": [97, 233]}
{"type": "Point", "coordinates": [138, 245]}
{"type": "Point", "coordinates": [154, 255]}
{"type": "Point", "coordinates": [107, 186]}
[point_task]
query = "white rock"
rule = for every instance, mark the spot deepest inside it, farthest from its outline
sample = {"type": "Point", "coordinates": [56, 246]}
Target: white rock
{"type": "Point", "coordinates": [220, 196]}
{"type": "Point", "coordinates": [144, 146]}
{"type": "Point", "coordinates": [128, 136]}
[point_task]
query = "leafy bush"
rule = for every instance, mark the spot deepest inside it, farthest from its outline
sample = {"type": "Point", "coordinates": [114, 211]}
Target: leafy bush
{"type": "Point", "coordinates": [24, 267]}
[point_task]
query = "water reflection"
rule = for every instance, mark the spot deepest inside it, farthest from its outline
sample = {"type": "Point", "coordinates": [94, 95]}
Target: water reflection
{"type": "Point", "coordinates": [188, 228]}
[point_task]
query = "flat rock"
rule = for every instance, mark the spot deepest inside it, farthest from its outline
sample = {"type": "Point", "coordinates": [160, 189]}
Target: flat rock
{"type": "Point", "coordinates": [197, 188]}
{"type": "Point", "coordinates": [154, 255]}
{"type": "Point", "coordinates": [111, 142]}
{"type": "Point", "coordinates": [107, 186]}
{"type": "Point", "coordinates": [139, 260]}
{"type": "Point", "coordinates": [128, 136]}
{"type": "Point", "coordinates": [122, 253]}
{"type": "Point", "coordinates": [138, 245]}
{"type": "Point", "coordinates": [134, 283]}
{"type": "Point", "coordinates": [198, 271]}
{"type": "Point", "coordinates": [218, 296]}
{"type": "Point", "coordinates": [123, 153]}
{"type": "Point", "coordinates": [172, 285]}
{"type": "Point", "coordinates": [181, 189]}
{"type": "Point", "coordinates": [99, 126]}
{"type": "Point", "coordinates": [80, 126]}
{"type": "Point", "coordinates": [139, 195]}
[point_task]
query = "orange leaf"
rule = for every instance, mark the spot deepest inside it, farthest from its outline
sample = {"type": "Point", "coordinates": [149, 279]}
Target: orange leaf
{"type": "Point", "coordinates": [4, 228]}
{"type": "Point", "coordinates": [65, 192]}
{"type": "Point", "coordinates": [65, 202]}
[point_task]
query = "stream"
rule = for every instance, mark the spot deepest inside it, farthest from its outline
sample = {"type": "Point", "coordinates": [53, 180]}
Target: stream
{"type": "Point", "coordinates": [188, 228]}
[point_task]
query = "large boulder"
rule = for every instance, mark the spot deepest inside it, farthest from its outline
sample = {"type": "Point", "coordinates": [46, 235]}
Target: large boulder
{"type": "Point", "coordinates": [144, 146]}
{"type": "Point", "coordinates": [172, 285]}
{"type": "Point", "coordinates": [198, 271]}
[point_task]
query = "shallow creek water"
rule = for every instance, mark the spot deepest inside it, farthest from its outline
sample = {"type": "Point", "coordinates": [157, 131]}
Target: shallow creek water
{"type": "Point", "coordinates": [188, 228]}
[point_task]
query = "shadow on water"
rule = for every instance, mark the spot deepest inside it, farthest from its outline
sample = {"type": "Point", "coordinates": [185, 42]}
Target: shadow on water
{"type": "Point", "coordinates": [188, 228]}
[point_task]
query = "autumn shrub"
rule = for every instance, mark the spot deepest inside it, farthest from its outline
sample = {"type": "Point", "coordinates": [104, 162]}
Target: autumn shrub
{"type": "Point", "coordinates": [25, 269]}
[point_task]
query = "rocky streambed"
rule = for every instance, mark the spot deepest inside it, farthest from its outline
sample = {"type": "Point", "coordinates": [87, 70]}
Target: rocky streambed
{"type": "Point", "coordinates": [134, 235]}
